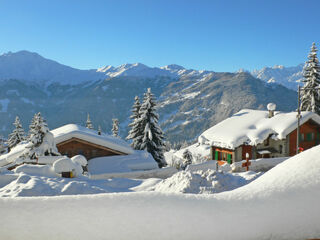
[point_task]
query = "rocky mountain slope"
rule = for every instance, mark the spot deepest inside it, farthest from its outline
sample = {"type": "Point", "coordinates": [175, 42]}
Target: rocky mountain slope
{"type": "Point", "coordinates": [286, 76]}
{"type": "Point", "coordinates": [190, 101]}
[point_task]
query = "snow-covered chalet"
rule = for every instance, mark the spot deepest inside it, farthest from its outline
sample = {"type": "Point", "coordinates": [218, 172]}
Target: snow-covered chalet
{"type": "Point", "coordinates": [74, 140]}
{"type": "Point", "coordinates": [261, 134]}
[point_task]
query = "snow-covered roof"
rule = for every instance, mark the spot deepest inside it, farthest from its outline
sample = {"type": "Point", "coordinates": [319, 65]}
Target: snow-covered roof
{"type": "Point", "coordinates": [139, 161]}
{"type": "Point", "coordinates": [253, 127]}
{"type": "Point", "coordinates": [69, 131]}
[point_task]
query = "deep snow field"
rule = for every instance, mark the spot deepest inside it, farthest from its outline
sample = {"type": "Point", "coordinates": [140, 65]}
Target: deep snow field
{"type": "Point", "coordinates": [40, 180]}
{"type": "Point", "coordinates": [283, 203]}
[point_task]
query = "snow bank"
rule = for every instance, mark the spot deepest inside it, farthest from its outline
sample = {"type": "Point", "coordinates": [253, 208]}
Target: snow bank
{"type": "Point", "coordinates": [140, 160]}
{"type": "Point", "coordinates": [11, 156]}
{"type": "Point", "coordinates": [41, 170]}
{"type": "Point", "coordinates": [281, 204]}
{"type": "Point", "coordinates": [80, 160]}
{"type": "Point", "coordinates": [257, 165]}
{"type": "Point", "coordinates": [64, 164]}
{"type": "Point", "coordinates": [208, 181]}
{"type": "Point", "coordinates": [211, 164]}
{"type": "Point", "coordinates": [154, 173]}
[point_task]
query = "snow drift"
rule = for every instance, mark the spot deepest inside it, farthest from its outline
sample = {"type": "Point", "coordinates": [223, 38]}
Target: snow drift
{"type": "Point", "coordinates": [281, 204]}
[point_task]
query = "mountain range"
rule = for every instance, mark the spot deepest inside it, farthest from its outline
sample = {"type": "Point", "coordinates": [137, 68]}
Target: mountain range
{"type": "Point", "coordinates": [189, 101]}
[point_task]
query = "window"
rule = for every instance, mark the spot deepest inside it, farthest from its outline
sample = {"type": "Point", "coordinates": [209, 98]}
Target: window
{"type": "Point", "coordinates": [229, 158]}
{"type": "Point", "coordinates": [301, 137]}
{"type": "Point", "coordinates": [309, 136]}
{"type": "Point", "coordinates": [280, 149]}
{"type": "Point", "coordinates": [216, 157]}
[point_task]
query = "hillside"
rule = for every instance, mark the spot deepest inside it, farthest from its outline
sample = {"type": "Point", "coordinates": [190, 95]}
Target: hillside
{"type": "Point", "coordinates": [190, 101]}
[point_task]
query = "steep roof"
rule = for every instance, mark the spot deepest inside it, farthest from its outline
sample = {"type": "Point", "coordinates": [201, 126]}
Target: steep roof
{"type": "Point", "coordinates": [69, 131]}
{"type": "Point", "coordinates": [253, 127]}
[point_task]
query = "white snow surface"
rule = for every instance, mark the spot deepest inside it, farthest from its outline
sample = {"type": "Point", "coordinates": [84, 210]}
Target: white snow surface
{"type": "Point", "coordinates": [69, 131]}
{"type": "Point", "coordinates": [15, 152]}
{"type": "Point", "coordinates": [64, 164]}
{"type": "Point", "coordinates": [253, 127]}
{"type": "Point", "coordinates": [281, 204]}
{"type": "Point", "coordinates": [139, 161]}
{"type": "Point", "coordinates": [206, 182]}
{"type": "Point", "coordinates": [80, 160]}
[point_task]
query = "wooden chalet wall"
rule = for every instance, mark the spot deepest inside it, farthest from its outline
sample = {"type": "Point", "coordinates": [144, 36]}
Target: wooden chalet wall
{"type": "Point", "coordinates": [308, 130]}
{"type": "Point", "coordinates": [75, 146]}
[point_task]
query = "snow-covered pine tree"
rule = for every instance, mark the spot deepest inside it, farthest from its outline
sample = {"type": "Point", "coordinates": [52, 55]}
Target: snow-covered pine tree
{"type": "Point", "coordinates": [115, 127]}
{"type": "Point", "coordinates": [89, 123]}
{"type": "Point", "coordinates": [17, 135]}
{"type": "Point", "coordinates": [187, 157]}
{"type": "Point", "coordinates": [32, 125]}
{"type": "Point", "coordinates": [152, 139]}
{"type": "Point", "coordinates": [41, 140]}
{"type": "Point", "coordinates": [310, 94]}
{"type": "Point", "coordinates": [136, 131]}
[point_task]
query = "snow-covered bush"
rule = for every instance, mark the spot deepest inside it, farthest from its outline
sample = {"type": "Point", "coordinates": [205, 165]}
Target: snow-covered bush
{"type": "Point", "coordinates": [187, 157]}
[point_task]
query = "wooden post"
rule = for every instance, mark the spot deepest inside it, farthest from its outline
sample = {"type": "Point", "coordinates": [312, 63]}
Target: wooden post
{"type": "Point", "coordinates": [298, 116]}
{"type": "Point", "coordinates": [247, 163]}
{"type": "Point", "coordinates": [247, 159]}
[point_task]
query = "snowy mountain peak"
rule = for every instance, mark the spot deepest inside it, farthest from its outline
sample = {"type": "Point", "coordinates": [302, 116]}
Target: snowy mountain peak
{"type": "Point", "coordinates": [172, 67]}
{"type": "Point", "coordinates": [278, 67]}
{"type": "Point", "coordinates": [286, 76]}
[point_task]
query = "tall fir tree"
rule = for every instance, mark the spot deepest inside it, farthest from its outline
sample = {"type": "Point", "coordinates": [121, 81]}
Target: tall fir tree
{"type": "Point", "coordinates": [152, 139]}
{"type": "Point", "coordinates": [41, 140]}
{"type": "Point", "coordinates": [115, 127]}
{"type": "Point", "coordinates": [89, 123]}
{"type": "Point", "coordinates": [136, 131]}
{"type": "Point", "coordinates": [17, 135]}
{"type": "Point", "coordinates": [32, 125]}
{"type": "Point", "coordinates": [310, 94]}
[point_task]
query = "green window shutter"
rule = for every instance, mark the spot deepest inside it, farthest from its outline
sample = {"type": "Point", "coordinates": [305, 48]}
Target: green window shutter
{"type": "Point", "coordinates": [301, 137]}
{"type": "Point", "coordinates": [229, 158]}
{"type": "Point", "coordinates": [309, 136]}
{"type": "Point", "coordinates": [216, 157]}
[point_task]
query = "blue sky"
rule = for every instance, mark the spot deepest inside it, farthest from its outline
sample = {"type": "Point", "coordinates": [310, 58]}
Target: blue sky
{"type": "Point", "coordinates": [213, 35]}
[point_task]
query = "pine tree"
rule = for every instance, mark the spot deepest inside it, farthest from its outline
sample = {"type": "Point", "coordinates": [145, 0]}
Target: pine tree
{"type": "Point", "coordinates": [32, 125]}
{"type": "Point", "coordinates": [41, 140]}
{"type": "Point", "coordinates": [18, 134]}
{"type": "Point", "coordinates": [152, 139]}
{"type": "Point", "coordinates": [115, 127]}
{"type": "Point", "coordinates": [187, 156]}
{"type": "Point", "coordinates": [310, 95]}
{"type": "Point", "coordinates": [89, 123]}
{"type": "Point", "coordinates": [136, 131]}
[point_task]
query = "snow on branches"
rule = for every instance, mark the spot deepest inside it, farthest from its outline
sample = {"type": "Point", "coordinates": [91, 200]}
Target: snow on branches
{"type": "Point", "coordinates": [115, 127]}
{"type": "Point", "coordinates": [136, 130]}
{"type": "Point", "coordinates": [310, 94]}
{"type": "Point", "coordinates": [89, 123]}
{"type": "Point", "coordinates": [17, 135]}
{"type": "Point", "coordinates": [145, 130]}
{"type": "Point", "coordinates": [41, 140]}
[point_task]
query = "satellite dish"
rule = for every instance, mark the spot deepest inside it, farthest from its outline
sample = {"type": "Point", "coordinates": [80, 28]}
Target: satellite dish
{"type": "Point", "coordinates": [271, 106]}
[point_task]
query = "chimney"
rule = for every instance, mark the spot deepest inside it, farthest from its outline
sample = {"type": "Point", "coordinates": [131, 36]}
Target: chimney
{"type": "Point", "coordinates": [271, 108]}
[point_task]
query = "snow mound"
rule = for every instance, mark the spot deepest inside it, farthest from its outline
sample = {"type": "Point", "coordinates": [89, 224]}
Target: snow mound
{"type": "Point", "coordinates": [42, 170]}
{"type": "Point", "coordinates": [64, 164]}
{"type": "Point", "coordinates": [208, 181]}
{"type": "Point", "coordinates": [80, 160]}
{"type": "Point", "coordinates": [140, 160]}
